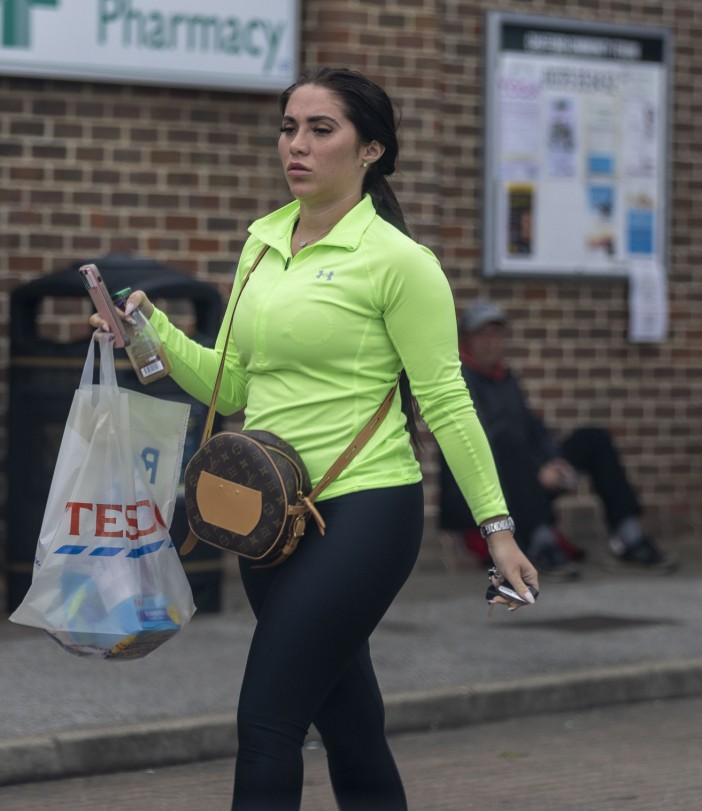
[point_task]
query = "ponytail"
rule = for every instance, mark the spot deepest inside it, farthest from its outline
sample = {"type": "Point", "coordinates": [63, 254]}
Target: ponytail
{"type": "Point", "coordinates": [388, 207]}
{"type": "Point", "coordinates": [385, 201]}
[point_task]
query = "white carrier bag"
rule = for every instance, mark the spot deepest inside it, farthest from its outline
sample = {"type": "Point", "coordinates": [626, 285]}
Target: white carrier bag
{"type": "Point", "coordinates": [107, 580]}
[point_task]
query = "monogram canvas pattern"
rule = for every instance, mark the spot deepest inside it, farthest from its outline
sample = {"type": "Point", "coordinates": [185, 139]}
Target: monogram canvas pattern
{"type": "Point", "coordinates": [257, 460]}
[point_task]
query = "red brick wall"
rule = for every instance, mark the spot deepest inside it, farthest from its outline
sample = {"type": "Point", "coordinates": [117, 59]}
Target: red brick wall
{"type": "Point", "coordinates": [176, 175]}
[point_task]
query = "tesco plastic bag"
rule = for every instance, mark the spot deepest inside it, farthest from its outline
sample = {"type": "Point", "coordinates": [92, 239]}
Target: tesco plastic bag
{"type": "Point", "coordinates": [107, 579]}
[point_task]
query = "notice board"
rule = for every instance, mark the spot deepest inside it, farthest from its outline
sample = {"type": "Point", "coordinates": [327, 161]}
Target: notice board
{"type": "Point", "coordinates": [576, 146]}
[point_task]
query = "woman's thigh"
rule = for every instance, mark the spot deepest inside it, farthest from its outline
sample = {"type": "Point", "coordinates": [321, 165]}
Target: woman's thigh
{"type": "Point", "coordinates": [317, 609]}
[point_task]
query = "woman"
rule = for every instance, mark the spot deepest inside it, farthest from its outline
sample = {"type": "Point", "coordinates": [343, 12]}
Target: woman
{"type": "Point", "coordinates": [341, 303]}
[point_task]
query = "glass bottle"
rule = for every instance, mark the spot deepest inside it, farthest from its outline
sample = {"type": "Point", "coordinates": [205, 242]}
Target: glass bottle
{"type": "Point", "coordinates": [145, 350]}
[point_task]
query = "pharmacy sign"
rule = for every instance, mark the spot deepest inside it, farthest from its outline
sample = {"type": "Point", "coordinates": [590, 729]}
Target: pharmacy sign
{"type": "Point", "coordinates": [228, 44]}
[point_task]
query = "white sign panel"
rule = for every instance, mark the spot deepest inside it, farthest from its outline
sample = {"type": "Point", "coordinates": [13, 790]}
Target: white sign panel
{"type": "Point", "coordinates": [234, 44]}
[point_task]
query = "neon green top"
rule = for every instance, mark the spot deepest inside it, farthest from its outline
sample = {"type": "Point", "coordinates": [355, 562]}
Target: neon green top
{"type": "Point", "coordinates": [320, 338]}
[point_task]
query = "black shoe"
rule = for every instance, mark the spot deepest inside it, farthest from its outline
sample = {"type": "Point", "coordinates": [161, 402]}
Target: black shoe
{"type": "Point", "coordinates": [552, 564]}
{"type": "Point", "coordinates": [643, 556]}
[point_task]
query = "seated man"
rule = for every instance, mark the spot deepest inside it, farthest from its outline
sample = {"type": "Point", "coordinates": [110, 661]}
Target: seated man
{"type": "Point", "coordinates": [533, 468]}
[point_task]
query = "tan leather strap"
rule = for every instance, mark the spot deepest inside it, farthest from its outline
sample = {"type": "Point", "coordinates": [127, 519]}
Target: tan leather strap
{"type": "Point", "coordinates": [360, 440]}
{"type": "Point", "coordinates": [188, 544]}
{"type": "Point", "coordinates": [209, 422]}
{"type": "Point", "coordinates": [307, 504]}
{"type": "Point", "coordinates": [191, 541]}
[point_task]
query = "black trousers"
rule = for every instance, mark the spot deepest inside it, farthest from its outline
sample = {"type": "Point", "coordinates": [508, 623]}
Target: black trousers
{"type": "Point", "coordinates": [310, 662]}
{"type": "Point", "coordinates": [590, 451]}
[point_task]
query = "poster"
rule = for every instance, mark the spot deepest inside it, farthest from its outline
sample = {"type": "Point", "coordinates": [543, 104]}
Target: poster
{"type": "Point", "coordinates": [576, 147]}
{"type": "Point", "coordinates": [520, 221]}
{"type": "Point", "coordinates": [648, 302]}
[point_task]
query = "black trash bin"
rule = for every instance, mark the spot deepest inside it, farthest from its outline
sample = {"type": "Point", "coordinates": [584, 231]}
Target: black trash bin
{"type": "Point", "coordinates": [43, 377]}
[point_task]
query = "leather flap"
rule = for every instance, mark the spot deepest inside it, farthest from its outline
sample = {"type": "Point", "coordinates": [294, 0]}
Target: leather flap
{"type": "Point", "coordinates": [228, 505]}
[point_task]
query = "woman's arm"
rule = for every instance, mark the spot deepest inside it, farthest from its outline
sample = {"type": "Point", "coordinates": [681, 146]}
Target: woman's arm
{"type": "Point", "coordinates": [194, 367]}
{"type": "Point", "coordinates": [420, 317]}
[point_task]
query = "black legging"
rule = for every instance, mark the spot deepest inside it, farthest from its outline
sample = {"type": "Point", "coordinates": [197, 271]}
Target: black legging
{"type": "Point", "coordinates": [309, 660]}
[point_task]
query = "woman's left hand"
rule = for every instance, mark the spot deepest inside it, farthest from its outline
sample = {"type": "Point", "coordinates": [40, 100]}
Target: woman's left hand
{"type": "Point", "coordinates": [136, 299]}
{"type": "Point", "coordinates": [513, 566]}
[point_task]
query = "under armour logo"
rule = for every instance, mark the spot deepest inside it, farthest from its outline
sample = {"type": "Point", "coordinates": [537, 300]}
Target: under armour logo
{"type": "Point", "coordinates": [323, 273]}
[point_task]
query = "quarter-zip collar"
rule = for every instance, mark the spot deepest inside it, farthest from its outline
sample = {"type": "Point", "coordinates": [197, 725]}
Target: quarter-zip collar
{"type": "Point", "coordinates": [276, 228]}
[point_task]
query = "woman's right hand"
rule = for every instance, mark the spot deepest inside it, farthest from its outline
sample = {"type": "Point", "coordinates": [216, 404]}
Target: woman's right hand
{"type": "Point", "coordinates": [137, 298]}
{"type": "Point", "coordinates": [514, 567]}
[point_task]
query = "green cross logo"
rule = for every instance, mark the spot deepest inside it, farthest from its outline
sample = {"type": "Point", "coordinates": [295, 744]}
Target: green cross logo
{"type": "Point", "coordinates": [16, 26]}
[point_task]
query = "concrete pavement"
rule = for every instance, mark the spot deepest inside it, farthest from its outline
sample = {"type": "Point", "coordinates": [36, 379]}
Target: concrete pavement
{"type": "Point", "coordinates": [442, 661]}
{"type": "Point", "coordinates": [628, 757]}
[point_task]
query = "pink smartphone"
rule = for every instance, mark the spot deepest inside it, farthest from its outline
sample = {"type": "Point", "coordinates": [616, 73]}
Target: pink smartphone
{"type": "Point", "coordinates": [103, 302]}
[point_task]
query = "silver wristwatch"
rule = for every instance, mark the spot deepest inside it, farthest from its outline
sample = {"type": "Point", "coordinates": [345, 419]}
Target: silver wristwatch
{"type": "Point", "coordinates": [497, 526]}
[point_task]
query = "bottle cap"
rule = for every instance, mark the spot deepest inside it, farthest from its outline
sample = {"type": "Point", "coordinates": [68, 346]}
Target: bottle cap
{"type": "Point", "coordinates": [121, 295]}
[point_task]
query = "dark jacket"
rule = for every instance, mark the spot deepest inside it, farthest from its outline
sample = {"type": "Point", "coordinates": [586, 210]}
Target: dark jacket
{"type": "Point", "coordinates": [508, 422]}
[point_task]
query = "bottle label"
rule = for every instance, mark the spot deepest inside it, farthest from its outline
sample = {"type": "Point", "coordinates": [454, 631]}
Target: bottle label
{"type": "Point", "coordinates": [152, 369]}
